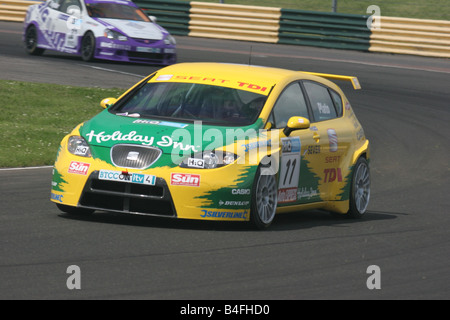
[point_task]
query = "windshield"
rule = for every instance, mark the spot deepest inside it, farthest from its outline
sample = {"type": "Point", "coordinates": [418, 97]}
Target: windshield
{"type": "Point", "coordinates": [115, 11]}
{"type": "Point", "coordinates": [191, 101]}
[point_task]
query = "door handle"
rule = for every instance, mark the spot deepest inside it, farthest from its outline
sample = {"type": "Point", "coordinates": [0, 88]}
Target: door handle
{"type": "Point", "coordinates": [316, 136]}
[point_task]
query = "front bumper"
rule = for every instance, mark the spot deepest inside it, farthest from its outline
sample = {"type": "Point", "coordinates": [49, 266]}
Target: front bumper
{"type": "Point", "coordinates": [135, 50]}
{"type": "Point", "coordinates": [127, 197]}
{"type": "Point", "coordinates": [220, 194]}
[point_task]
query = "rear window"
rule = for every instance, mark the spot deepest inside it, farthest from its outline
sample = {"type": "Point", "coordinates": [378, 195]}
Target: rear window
{"type": "Point", "coordinates": [321, 103]}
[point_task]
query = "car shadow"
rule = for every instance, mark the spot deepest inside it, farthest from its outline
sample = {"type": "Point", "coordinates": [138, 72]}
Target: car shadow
{"type": "Point", "coordinates": [283, 222]}
{"type": "Point", "coordinates": [319, 218]}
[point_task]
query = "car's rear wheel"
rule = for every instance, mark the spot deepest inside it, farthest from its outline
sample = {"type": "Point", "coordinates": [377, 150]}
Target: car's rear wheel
{"type": "Point", "coordinates": [88, 47]}
{"type": "Point", "coordinates": [31, 41]}
{"type": "Point", "coordinates": [264, 198]}
{"type": "Point", "coordinates": [360, 189]}
{"type": "Point", "coordinates": [74, 210]}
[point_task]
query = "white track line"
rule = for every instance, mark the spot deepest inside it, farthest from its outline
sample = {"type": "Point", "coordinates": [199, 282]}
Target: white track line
{"type": "Point", "coordinates": [112, 70]}
{"type": "Point", "coordinates": [25, 168]}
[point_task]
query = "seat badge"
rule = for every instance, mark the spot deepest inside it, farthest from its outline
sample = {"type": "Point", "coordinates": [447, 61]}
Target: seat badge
{"type": "Point", "coordinates": [132, 155]}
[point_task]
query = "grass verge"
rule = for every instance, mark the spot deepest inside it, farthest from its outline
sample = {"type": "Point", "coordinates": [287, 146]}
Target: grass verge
{"type": "Point", "coordinates": [35, 117]}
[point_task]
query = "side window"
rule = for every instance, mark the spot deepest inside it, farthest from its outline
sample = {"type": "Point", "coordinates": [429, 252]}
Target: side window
{"type": "Point", "coordinates": [321, 103]}
{"type": "Point", "coordinates": [290, 103]}
{"type": "Point", "coordinates": [337, 101]}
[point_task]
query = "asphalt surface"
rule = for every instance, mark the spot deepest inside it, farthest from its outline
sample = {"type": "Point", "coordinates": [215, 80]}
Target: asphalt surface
{"type": "Point", "coordinates": [404, 109]}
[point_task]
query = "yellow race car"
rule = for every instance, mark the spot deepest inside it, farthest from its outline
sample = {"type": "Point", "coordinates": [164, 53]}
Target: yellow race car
{"type": "Point", "coordinates": [215, 141]}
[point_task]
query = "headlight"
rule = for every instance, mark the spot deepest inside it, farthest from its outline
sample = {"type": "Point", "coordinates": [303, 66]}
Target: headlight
{"type": "Point", "coordinates": [169, 40]}
{"type": "Point", "coordinates": [209, 160]}
{"type": "Point", "coordinates": [114, 35]}
{"type": "Point", "coordinates": [78, 146]}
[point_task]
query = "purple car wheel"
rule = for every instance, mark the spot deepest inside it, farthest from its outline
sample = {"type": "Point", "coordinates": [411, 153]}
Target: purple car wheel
{"type": "Point", "coordinates": [88, 47]}
{"type": "Point", "coordinates": [31, 41]}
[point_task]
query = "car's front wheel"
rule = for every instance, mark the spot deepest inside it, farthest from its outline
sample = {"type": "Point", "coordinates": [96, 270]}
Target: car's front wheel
{"type": "Point", "coordinates": [264, 198]}
{"type": "Point", "coordinates": [360, 189]}
{"type": "Point", "coordinates": [31, 41]}
{"type": "Point", "coordinates": [88, 47]}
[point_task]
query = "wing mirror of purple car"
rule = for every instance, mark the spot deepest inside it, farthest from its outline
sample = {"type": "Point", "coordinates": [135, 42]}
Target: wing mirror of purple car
{"type": "Point", "coordinates": [296, 123]}
{"type": "Point", "coordinates": [152, 19]}
{"type": "Point", "coordinates": [108, 102]}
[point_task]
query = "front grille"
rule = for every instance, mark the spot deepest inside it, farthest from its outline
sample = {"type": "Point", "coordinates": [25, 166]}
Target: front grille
{"type": "Point", "coordinates": [128, 197]}
{"type": "Point", "coordinates": [146, 41]}
{"type": "Point", "coordinates": [134, 156]}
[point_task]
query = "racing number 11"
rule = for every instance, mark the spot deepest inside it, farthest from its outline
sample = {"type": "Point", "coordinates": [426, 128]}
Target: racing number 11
{"type": "Point", "coordinates": [288, 167]}
{"type": "Point", "coordinates": [290, 163]}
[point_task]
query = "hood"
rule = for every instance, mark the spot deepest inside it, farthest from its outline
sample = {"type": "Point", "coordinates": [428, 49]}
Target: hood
{"type": "Point", "coordinates": [107, 129]}
{"type": "Point", "coordinates": [135, 29]}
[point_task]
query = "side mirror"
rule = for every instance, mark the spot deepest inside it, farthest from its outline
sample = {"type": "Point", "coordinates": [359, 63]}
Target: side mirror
{"type": "Point", "coordinates": [152, 19]}
{"type": "Point", "coordinates": [108, 102]}
{"type": "Point", "coordinates": [74, 10]}
{"type": "Point", "coordinates": [296, 123]}
{"type": "Point", "coordinates": [268, 126]}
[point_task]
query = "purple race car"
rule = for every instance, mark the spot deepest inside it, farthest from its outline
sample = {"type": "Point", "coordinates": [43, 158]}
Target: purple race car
{"type": "Point", "coordinates": [97, 29]}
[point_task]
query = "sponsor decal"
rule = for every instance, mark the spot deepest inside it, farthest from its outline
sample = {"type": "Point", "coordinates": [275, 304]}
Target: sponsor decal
{"type": "Point", "coordinates": [143, 121]}
{"type": "Point", "coordinates": [119, 136]}
{"type": "Point", "coordinates": [148, 50]}
{"type": "Point", "coordinates": [185, 179]}
{"type": "Point", "coordinates": [240, 191]}
{"type": "Point", "coordinates": [205, 79]}
{"type": "Point", "coordinates": [332, 159]}
{"type": "Point", "coordinates": [127, 177]}
{"type": "Point", "coordinates": [81, 151]}
{"type": "Point", "coordinates": [112, 45]}
{"type": "Point", "coordinates": [333, 139]}
{"type": "Point", "coordinates": [305, 193]}
{"type": "Point", "coordinates": [63, 17]}
{"type": "Point", "coordinates": [196, 163]}
{"type": "Point", "coordinates": [162, 123]}
{"type": "Point", "coordinates": [133, 136]}
{"type": "Point", "coordinates": [224, 214]}
{"type": "Point", "coordinates": [313, 149]}
{"type": "Point", "coordinates": [233, 203]}
{"type": "Point", "coordinates": [287, 195]}
{"type": "Point", "coordinates": [252, 86]}
{"type": "Point", "coordinates": [56, 197]}
{"type": "Point", "coordinates": [239, 84]}
{"type": "Point", "coordinates": [323, 108]}
{"type": "Point", "coordinates": [332, 174]}
{"type": "Point", "coordinates": [291, 145]}
{"type": "Point", "coordinates": [173, 124]}
{"type": "Point", "coordinates": [257, 144]}
{"type": "Point", "coordinates": [78, 167]}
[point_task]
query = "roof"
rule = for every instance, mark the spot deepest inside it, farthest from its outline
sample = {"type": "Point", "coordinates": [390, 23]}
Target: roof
{"type": "Point", "coordinates": [246, 77]}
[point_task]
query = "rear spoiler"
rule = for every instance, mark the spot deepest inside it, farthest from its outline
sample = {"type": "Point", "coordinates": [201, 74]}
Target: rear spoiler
{"type": "Point", "coordinates": [353, 80]}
